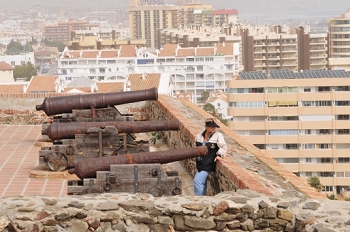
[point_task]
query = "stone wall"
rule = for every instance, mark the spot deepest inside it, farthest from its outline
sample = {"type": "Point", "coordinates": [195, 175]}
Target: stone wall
{"type": "Point", "coordinates": [228, 211]}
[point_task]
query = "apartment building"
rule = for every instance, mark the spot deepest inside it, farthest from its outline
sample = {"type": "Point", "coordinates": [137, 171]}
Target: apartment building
{"type": "Point", "coordinates": [145, 19]}
{"type": "Point", "coordinates": [192, 70]}
{"type": "Point", "coordinates": [187, 12]}
{"type": "Point", "coordinates": [301, 119]}
{"type": "Point", "coordinates": [198, 36]}
{"type": "Point", "coordinates": [61, 31]}
{"type": "Point", "coordinates": [101, 40]}
{"type": "Point", "coordinates": [112, 17]}
{"type": "Point", "coordinates": [215, 18]}
{"type": "Point", "coordinates": [273, 51]}
{"type": "Point", "coordinates": [339, 42]}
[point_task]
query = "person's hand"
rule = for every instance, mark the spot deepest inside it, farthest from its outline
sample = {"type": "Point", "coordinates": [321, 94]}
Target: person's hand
{"type": "Point", "coordinates": [218, 158]}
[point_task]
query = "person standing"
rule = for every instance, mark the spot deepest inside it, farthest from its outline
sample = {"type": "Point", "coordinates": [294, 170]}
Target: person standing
{"type": "Point", "coordinates": [216, 151]}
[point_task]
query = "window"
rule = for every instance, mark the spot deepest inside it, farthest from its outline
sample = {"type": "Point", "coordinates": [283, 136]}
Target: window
{"type": "Point", "coordinates": [13, 63]}
{"type": "Point", "coordinates": [23, 62]}
{"type": "Point", "coordinates": [344, 160]}
{"type": "Point", "coordinates": [343, 117]}
{"type": "Point", "coordinates": [327, 188]}
{"type": "Point", "coordinates": [324, 89]}
{"type": "Point", "coordinates": [307, 89]}
{"type": "Point", "coordinates": [260, 146]}
{"type": "Point", "coordinates": [291, 146]}
{"type": "Point", "coordinates": [342, 103]}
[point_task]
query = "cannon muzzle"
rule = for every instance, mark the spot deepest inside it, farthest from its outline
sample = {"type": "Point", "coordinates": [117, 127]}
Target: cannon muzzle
{"type": "Point", "coordinates": [65, 104]}
{"type": "Point", "coordinates": [57, 131]}
{"type": "Point", "coordinates": [87, 168]}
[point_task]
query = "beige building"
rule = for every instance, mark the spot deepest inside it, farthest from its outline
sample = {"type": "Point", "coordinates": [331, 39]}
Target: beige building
{"type": "Point", "coordinates": [300, 119]}
{"type": "Point", "coordinates": [101, 40]}
{"type": "Point", "coordinates": [6, 72]}
{"type": "Point", "coordinates": [339, 44]}
{"type": "Point", "coordinates": [61, 31]}
{"type": "Point", "coordinates": [274, 50]}
{"type": "Point", "coordinates": [197, 36]}
{"type": "Point", "coordinates": [187, 12]}
{"type": "Point", "coordinates": [146, 19]}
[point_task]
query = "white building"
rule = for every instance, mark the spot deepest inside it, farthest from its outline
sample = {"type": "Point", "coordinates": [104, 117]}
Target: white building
{"type": "Point", "coordinates": [15, 57]}
{"type": "Point", "coordinates": [193, 70]}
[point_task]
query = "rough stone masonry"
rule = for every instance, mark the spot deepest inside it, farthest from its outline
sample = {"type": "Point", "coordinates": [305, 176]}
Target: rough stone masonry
{"type": "Point", "coordinates": [243, 210]}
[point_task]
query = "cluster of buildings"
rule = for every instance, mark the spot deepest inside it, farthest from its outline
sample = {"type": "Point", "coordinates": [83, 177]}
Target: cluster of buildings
{"type": "Point", "coordinates": [284, 89]}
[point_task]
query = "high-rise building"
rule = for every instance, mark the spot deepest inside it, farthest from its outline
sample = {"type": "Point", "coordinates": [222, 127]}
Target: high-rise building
{"type": "Point", "coordinates": [146, 18]}
{"type": "Point", "coordinates": [273, 50]}
{"type": "Point", "coordinates": [300, 119]}
{"type": "Point", "coordinates": [339, 42]}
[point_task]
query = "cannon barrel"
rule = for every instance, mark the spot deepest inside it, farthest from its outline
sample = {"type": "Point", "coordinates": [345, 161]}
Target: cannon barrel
{"type": "Point", "coordinates": [87, 168]}
{"type": "Point", "coordinates": [57, 131]}
{"type": "Point", "coordinates": [65, 104]}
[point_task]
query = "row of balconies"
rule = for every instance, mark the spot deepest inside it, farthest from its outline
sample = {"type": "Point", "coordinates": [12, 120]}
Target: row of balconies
{"type": "Point", "coordinates": [302, 139]}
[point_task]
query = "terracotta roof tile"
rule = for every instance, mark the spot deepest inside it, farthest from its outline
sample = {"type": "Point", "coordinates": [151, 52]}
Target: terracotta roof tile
{"type": "Point", "coordinates": [78, 89]}
{"type": "Point", "coordinates": [5, 66]}
{"type": "Point", "coordinates": [139, 83]}
{"type": "Point", "coordinates": [224, 11]}
{"type": "Point", "coordinates": [42, 84]}
{"type": "Point", "coordinates": [110, 87]}
{"type": "Point", "coordinates": [204, 51]}
{"type": "Point", "coordinates": [71, 55]}
{"type": "Point", "coordinates": [128, 51]}
{"type": "Point", "coordinates": [109, 54]}
{"type": "Point", "coordinates": [224, 48]}
{"type": "Point", "coordinates": [168, 50]}
{"type": "Point", "coordinates": [183, 52]}
{"type": "Point", "coordinates": [89, 54]}
{"type": "Point", "coordinates": [11, 88]}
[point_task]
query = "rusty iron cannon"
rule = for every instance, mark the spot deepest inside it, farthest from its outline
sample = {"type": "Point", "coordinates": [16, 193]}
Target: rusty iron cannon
{"type": "Point", "coordinates": [57, 131]}
{"type": "Point", "coordinates": [97, 139]}
{"type": "Point", "coordinates": [87, 168]}
{"type": "Point", "coordinates": [66, 104]}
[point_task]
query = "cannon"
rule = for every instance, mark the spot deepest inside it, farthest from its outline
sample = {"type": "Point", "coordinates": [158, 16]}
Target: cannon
{"type": "Point", "coordinates": [133, 173]}
{"type": "Point", "coordinates": [65, 104]}
{"type": "Point", "coordinates": [87, 168]}
{"type": "Point", "coordinates": [77, 141]}
{"type": "Point", "coordinates": [57, 131]}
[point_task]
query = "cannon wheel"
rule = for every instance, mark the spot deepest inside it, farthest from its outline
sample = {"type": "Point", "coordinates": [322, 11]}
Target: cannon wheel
{"type": "Point", "coordinates": [57, 162]}
{"type": "Point", "coordinates": [159, 191]}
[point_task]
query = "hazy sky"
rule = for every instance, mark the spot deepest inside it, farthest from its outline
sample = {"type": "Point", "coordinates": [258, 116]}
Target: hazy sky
{"type": "Point", "coordinates": [248, 9]}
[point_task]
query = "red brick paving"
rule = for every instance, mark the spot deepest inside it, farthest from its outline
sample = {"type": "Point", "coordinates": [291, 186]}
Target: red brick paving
{"type": "Point", "coordinates": [18, 157]}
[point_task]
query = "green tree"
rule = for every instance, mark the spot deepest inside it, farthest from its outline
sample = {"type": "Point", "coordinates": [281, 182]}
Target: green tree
{"type": "Point", "coordinates": [14, 44]}
{"type": "Point", "coordinates": [314, 182]}
{"type": "Point", "coordinates": [59, 45]}
{"type": "Point", "coordinates": [24, 71]}
{"type": "Point", "coordinates": [210, 109]}
{"type": "Point", "coordinates": [204, 96]}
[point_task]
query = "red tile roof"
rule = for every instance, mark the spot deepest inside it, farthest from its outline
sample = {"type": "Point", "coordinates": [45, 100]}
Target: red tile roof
{"type": "Point", "coordinates": [183, 52]}
{"type": "Point", "coordinates": [168, 50]}
{"type": "Point", "coordinates": [5, 66]}
{"type": "Point", "coordinates": [42, 84]}
{"type": "Point", "coordinates": [128, 51]}
{"type": "Point", "coordinates": [11, 88]}
{"type": "Point", "coordinates": [204, 51]}
{"type": "Point", "coordinates": [224, 48]}
{"type": "Point", "coordinates": [89, 54]}
{"type": "Point", "coordinates": [109, 87]}
{"type": "Point", "coordinates": [71, 55]}
{"type": "Point", "coordinates": [109, 54]}
{"type": "Point", "coordinates": [223, 11]}
{"type": "Point", "coordinates": [150, 80]}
